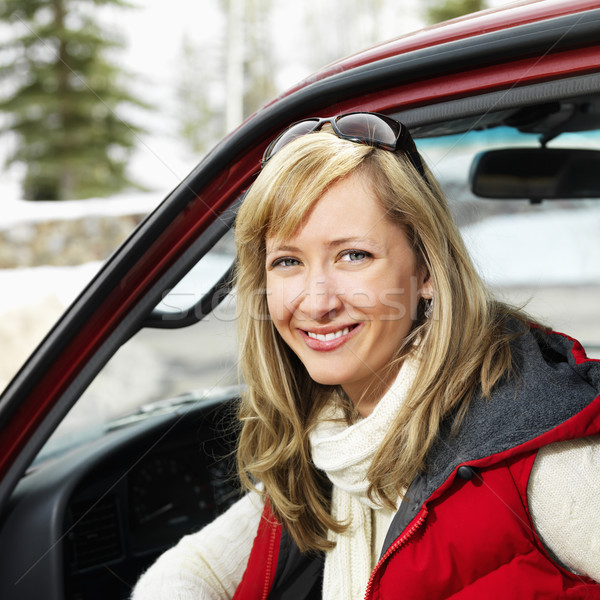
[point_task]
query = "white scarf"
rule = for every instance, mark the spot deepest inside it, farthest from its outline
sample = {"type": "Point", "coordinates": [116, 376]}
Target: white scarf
{"type": "Point", "coordinates": [345, 454]}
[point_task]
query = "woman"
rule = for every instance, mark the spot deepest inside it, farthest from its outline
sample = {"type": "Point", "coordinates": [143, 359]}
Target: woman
{"type": "Point", "coordinates": [403, 434]}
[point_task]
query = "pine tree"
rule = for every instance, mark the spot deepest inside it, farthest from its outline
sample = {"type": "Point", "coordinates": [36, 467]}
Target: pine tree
{"type": "Point", "coordinates": [64, 99]}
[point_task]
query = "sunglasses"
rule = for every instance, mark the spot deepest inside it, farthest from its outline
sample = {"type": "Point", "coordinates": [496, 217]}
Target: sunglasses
{"type": "Point", "coordinates": [372, 129]}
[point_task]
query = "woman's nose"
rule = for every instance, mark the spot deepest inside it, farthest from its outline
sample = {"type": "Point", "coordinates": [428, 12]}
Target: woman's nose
{"type": "Point", "coordinates": [320, 299]}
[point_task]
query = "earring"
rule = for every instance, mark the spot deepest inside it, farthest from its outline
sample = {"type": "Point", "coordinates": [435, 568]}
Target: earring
{"type": "Point", "coordinates": [428, 308]}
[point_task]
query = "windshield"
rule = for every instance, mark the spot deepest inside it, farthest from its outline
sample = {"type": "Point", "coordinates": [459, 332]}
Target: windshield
{"type": "Point", "coordinates": [543, 257]}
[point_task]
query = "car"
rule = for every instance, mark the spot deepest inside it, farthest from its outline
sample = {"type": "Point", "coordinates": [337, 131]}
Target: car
{"type": "Point", "coordinates": [110, 452]}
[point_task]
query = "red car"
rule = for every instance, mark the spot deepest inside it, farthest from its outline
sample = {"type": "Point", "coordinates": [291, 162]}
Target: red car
{"type": "Point", "coordinates": [505, 107]}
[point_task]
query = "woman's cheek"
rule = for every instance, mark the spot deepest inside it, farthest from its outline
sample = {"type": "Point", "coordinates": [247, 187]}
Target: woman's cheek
{"type": "Point", "coordinates": [397, 304]}
{"type": "Point", "coordinates": [279, 299]}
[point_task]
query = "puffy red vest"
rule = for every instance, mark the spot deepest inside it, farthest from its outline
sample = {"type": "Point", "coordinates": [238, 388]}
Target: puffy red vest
{"type": "Point", "coordinates": [467, 533]}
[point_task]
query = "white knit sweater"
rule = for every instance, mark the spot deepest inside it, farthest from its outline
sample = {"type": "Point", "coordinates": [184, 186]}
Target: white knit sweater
{"type": "Point", "coordinates": [563, 496]}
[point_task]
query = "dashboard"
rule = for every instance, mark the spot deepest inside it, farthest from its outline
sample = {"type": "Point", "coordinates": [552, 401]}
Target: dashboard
{"type": "Point", "coordinates": [86, 524]}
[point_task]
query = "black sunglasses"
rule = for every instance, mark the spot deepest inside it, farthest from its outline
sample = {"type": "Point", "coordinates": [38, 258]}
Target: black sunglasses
{"type": "Point", "coordinates": [373, 129]}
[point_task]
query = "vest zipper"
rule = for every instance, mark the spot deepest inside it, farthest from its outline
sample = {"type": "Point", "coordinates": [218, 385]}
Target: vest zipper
{"type": "Point", "coordinates": [270, 555]}
{"type": "Point", "coordinates": [403, 539]}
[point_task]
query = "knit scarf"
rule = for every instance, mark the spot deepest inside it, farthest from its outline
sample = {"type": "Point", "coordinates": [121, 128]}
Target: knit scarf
{"type": "Point", "coordinates": [345, 453]}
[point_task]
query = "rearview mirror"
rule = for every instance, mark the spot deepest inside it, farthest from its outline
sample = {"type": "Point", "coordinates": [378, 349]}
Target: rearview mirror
{"type": "Point", "coordinates": [536, 174]}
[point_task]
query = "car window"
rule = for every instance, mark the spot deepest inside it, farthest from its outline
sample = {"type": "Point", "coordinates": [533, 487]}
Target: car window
{"type": "Point", "coordinates": [162, 365]}
{"type": "Point", "coordinates": [544, 257]}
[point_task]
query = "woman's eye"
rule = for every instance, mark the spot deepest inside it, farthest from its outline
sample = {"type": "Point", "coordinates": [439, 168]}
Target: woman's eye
{"type": "Point", "coordinates": [285, 261]}
{"type": "Point", "coordinates": [354, 255]}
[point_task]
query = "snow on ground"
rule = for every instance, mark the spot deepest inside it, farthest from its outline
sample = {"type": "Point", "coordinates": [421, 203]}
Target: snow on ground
{"type": "Point", "coordinates": [25, 287]}
{"type": "Point", "coordinates": [32, 299]}
{"type": "Point", "coordinates": [16, 212]}
{"type": "Point", "coordinates": [559, 247]}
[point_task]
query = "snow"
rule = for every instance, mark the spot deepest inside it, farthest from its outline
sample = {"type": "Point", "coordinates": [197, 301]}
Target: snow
{"type": "Point", "coordinates": [560, 247]}
{"type": "Point", "coordinates": [17, 212]}
{"type": "Point", "coordinates": [28, 287]}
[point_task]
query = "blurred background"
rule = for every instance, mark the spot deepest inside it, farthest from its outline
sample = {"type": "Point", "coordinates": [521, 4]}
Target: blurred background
{"type": "Point", "coordinates": [105, 105]}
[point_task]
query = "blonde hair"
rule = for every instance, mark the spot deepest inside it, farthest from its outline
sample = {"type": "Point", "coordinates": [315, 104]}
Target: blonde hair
{"type": "Point", "coordinates": [465, 342]}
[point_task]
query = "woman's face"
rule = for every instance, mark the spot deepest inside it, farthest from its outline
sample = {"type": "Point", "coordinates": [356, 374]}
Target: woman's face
{"type": "Point", "coordinates": [343, 291]}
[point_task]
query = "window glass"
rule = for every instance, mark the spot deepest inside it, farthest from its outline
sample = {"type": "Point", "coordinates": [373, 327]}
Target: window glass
{"type": "Point", "coordinates": [544, 257]}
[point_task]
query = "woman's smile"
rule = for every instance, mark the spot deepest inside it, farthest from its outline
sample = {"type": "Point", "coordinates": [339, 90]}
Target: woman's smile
{"type": "Point", "coordinates": [343, 290]}
{"type": "Point", "coordinates": [328, 339]}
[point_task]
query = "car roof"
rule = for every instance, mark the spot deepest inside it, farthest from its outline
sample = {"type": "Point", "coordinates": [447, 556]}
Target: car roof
{"type": "Point", "coordinates": [480, 23]}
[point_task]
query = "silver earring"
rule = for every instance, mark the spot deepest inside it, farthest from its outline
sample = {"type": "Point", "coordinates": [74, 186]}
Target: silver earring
{"type": "Point", "coordinates": [428, 308]}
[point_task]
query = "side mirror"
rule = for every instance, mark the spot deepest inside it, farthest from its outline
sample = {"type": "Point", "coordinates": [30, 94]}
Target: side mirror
{"type": "Point", "coordinates": [536, 174]}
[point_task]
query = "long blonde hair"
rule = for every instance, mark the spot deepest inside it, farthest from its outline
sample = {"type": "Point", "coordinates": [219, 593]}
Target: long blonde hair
{"type": "Point", "coordinates": [465, 342]}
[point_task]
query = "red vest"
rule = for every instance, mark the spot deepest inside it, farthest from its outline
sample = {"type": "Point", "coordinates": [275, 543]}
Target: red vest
{"type": "Point", "coordinates": [472, 536]}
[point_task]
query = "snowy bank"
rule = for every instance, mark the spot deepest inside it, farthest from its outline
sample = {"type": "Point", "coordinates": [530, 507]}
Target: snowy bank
{"type": "Point", "coordinates": [558, 247]}
{"type": "Point", "coordinates": [19, 212]}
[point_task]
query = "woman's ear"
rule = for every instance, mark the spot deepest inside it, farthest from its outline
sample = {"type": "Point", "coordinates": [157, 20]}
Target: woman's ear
{"type": "Point", "coordinates": [425, 287]}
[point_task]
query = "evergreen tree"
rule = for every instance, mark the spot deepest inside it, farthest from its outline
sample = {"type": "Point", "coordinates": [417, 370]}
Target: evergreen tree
{"type": "Point", "coordinates": [63, 99]}
{"type": "Point", "coordinates": [450, 9]}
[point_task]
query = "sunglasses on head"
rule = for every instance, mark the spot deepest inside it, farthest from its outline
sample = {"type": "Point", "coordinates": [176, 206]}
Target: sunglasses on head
{"type": "Point", "coordinates": [372, 129]}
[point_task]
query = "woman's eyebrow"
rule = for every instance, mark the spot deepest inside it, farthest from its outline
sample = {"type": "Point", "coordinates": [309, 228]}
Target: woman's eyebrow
{"type": "Point", "coordinates": [282, 248]}
{"type": "Point", "coordinates": [353, 240]}
{"type": "Point", "coordinates": [360, 239]}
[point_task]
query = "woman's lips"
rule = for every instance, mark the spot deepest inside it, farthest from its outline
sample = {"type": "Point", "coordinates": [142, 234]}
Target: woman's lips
{"type": "Point", "coordinates": [327, 340]}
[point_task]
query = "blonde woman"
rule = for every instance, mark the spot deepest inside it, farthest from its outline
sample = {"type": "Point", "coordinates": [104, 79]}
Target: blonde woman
{"type": "Point", "coordinates": [404, 435]}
